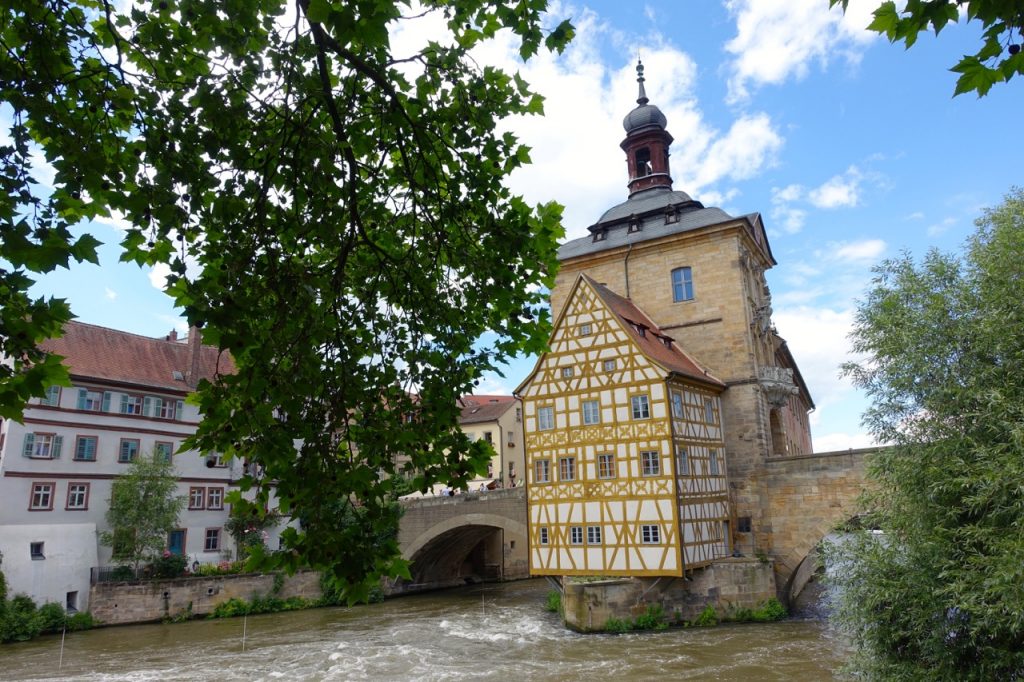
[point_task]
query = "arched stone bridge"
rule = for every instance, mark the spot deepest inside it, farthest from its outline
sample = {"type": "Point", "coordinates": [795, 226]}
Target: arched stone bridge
{"type": "Point", "coordinates": [472, 537]}
{"type": "Point", "coordinates": [807, 496]}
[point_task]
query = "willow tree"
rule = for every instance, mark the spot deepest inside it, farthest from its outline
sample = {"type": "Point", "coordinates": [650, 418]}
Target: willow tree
{"type": "Point", "coordinates": [334, 215]}
{"type": "Point", "coordinates": [939, 593]}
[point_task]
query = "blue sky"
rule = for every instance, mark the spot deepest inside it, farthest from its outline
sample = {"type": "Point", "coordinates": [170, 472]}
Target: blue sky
{"type": "Point", "coordinates": [852, 149]}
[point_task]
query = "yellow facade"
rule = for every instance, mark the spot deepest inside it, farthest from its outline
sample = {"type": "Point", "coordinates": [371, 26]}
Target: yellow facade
{"type": "Point", "coordinates": [619, 452]}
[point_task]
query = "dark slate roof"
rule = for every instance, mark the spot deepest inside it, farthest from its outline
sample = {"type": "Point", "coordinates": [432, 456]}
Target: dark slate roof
{"type": "Point", "coordinates": [483, 408]}
{"type": "Point", "coordinates": [649, 208]}
{"type": "Point", "coordinates": [655, 344]}
{"type": "Point", "coordinates": [644, 116]}
{"type": "Point", "coordinates": [93, 352]}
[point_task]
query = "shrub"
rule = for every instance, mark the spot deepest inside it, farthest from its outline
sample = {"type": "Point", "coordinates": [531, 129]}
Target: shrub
{"type": "Point", "coordinates": [616, 625]}
{"type": "Point", "coordinates": [21, 622]}
{"type": "Point", "coordinates": [51, 617]}
{"type": "Point", "coordinates": [169, 565]}
{"type": "Point", "coordinates": [554, 602]}
{"type": "Point", "coordinates": [81, 621]}
{"type": "Point", "coordinates": [230, 608]}
{"type": "Point", "coordinates": [707, 617]}
{"type": "Point", "coordinates": [122, 574]}
{"type": "Point", "coordinates": [651, 619]}
{"type": "Point", "coordinates": [770, 610]}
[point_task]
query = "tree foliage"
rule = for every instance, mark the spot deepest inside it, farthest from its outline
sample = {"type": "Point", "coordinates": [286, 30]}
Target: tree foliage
{"type": "Point", "coordinates": [143, 509]}
{"type": "Point", "coordinates": [939, 593]}
{"type": "Point", "coordinates": [999, 58]}
{"type": "Point", "coordinates": [333, 213]}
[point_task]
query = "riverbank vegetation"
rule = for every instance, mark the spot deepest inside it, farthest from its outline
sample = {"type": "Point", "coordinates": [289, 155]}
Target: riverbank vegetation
{"type": "Point", "coordinates": [22, 620]}
{"type": "Point", "coordinates": [933, 586]}
{"type": "Point", "coordinates": [655, 618]}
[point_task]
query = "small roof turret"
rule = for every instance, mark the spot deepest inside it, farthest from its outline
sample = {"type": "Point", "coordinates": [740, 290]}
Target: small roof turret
{"type": "Point", "coordinates": [645, 115]}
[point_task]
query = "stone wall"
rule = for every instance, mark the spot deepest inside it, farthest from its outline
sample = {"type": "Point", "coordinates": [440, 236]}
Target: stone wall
{"type": "Point", "coordinates": [121, 603]}
{"type": "Point", "coordinates": [727, 585]}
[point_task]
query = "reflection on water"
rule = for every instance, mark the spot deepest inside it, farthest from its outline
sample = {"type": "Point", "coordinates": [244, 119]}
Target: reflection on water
{"type": "Point", "coordinates": [494, 632]}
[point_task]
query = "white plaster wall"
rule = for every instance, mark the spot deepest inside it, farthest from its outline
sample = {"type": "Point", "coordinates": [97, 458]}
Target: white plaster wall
{"type": "Point", "coordinates": [69, 550]}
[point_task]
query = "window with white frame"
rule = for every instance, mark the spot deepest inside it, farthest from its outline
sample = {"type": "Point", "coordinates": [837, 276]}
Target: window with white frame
{"type": "Point", "coordinates": [85, 448]}
{"type": "Point", "coordinates": [212, 541]}
{"type": "Point", "coordinates": [196, 498]}
{"type": "Point", "coordinates": [585, 329]}
{"type": "Point", "coordinates": [650, 463]}
{"type": "Point", "coordinates": [677, 404]}
{"type": "Point", "coordinates": [682, 285]}
{"type": "Point", "coordinates": [78, 496]}
{"type": "Point", "coordinates": [713, 463]}
{"type": "Point", "coordinates": [682, 460]}
{"type": "Point", "coordinates": [543, 532]}
{"type": "Point", "coordinates": [576, 535]}
{"type": "Point", "coordinates": [606, 465]}
{"type": "Point", "coordinates": [42, 497]}
{"type": "Point", "coordinates": [567, 372]}
{"type": "Point", "coordinates": [163, 451]}
{"type": "Point", "coordinates": [641, 407]}
{"type": "Point", "coordinates": [591, 412]}
{"type": "Point", "coordinates": [545, 418]}
{"type": "Point", "coordinates": [42, 445]}
{"type": "Point", "coordinates": [169, 409]}
{"type": "Point", "coordinates": [650, 534]}
{"type": "Point", "coordinates": [128, 450]}
{"type": "Point", "coordinates": [567, 469]}
{"type": "Point", "coordinates": [131, 404]}
{"type": "Point", "coordinates": [709, 411]}
{"type": "Point", "coordinates": [541, 471]}
{"type": "Point", "coordinates": [608, 365]}
{"type": "Point", "coordinates": [215, 498]}
{"type": "Point", "coordinates": [94, 401]}
{"type": "Point", "coordinates": [52, 397]}
{"type": "Point", "coordinates": [593, 535]}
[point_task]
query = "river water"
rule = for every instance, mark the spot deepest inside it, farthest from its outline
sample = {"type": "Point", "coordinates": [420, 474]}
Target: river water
{"type": "Point", "coordinates": [492, 632]}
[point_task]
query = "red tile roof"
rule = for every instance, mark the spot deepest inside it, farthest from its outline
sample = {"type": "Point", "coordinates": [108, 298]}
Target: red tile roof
{"type": "Point", "coordinates": [92, 352]}
{"type": "Point", "coordinates": [654, 343]}
{"type": "Point", "coordinates": [483, 408]}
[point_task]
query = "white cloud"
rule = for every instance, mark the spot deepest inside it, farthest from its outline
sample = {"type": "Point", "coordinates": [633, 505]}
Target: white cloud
{"type": "Point", "coordinates": [776, 41]}
{"type": "Point", "coordinates": [916, 215]}
{"type": "Point", "coordinates": [935, 229]}
{"type": "Point", "coordinates": [110, 293]}
{"type": "Point", "coordinates": [839, 191]}
{"type": "Point", "coordinates": [866, 250]}
{"type": "Point", "coordinates": [834, 442]}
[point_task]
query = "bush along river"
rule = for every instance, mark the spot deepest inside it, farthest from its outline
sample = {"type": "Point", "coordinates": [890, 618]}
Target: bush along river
{"type": "Point", "coordinates": [484, 632]}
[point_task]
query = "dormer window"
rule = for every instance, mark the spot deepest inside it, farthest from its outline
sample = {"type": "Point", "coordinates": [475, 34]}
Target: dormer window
{"type": "Point", "coordinates": [634, 224]}
{"type": "Point", "coordinates": [671, 216]}
{"type": "Point", "coordinates": [640, 329]}
{"type": "Point", "coordinates": [599, 235]}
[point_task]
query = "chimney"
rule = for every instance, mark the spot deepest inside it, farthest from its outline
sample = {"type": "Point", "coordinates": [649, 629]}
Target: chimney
{"type": "Point", "coordinates": [195, 347]}
{"type": "Point", "coordinates": [173, 336]}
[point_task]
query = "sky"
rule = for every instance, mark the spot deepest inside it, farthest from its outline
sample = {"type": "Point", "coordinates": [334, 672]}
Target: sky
{"type": "Point", "coordinates": [852, 149]}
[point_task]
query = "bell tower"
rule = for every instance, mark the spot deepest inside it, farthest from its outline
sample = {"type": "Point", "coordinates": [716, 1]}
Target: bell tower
{"type": "Point", "coordinates": [647, 143]}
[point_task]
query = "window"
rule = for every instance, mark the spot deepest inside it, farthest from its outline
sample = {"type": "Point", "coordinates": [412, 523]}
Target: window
{"type": "Point", "coordinates": [163, 451]}
{"type": "Point", "coordinates": [643, 162]}
{"type": "Point", "coordinates": [35, 550]}
{"type": "Point", "coordinates": [593, 535]}
{"type": "Point", "coordinates": [650, 535]}
{"type": "Point", "coordinates": [545, 418]}
{"type": "Point", "coordinates": [71, 602]}
{"type": "Point", "coordinates": [650, 463]}
{"type": "Point", "coordinates": [591, 412]}
{"type": "Point", "coordinates": [85, 448]}
{"type": "Point", "coordinates": [123, 543]}
{"type": "Point", "coordinates": [512, 470]}
{"type": "Point", "coordinates": [641, 407]}
{"type": "Point", "coordinates": [131, 404]}
{"type": "Point", "coordinates": [714, 462]}
{"type": "Point", "coordinates": [743, 524]}
{"type": "Point", "coordinates": [682, 285]}
{"type": "Point", "coordinates": [128, 449]}
{"type": "Point", "coordinates": [683, 462]}
{"type": "Point", "coordinates": [212, 541]}
{"type": "Point", "coordinates": [42, 445]}
{"type": "Point", "coordinates": [52, 397]}
{"type": "Point", "coordinates": [170, 409]}
{"type": "Point", "coordinates": [567, 372]}
{"type": "Point", "coordinates": [709, 411]}
{"type": "Point", "coordinates": [606, 466]}
{"type": "Point", "coordinates": [78, 496]}
{"type": "Point", "coordinates": [576, 535]}
{"type": "Point", "coordinates": [585, 329]}
{"type": "Point", "coordinates": [567, 469]}
{"type": "Point", "coordinates": [487, 437]}
{"type": "Point", "coordinates": [541, 471]}
{"type": "Point", "coordinates": [511, 438]}
{"type": "Point", "coordinates": [543, 536]}
{"type": "Point", "coordinates": [608, 365]}
{"type": "Point", "coordinates": [196, 498]}
{"type": "Point", "coordinates": [519, 415]}
{"type": "Point", "coordinates": [677, 404]}
{"type": "Point", "coordinates": [94, 401]}
{"type": "Point", "coordinates": [215, 498]}
{"type": "Point", "coordinates": [42, 497]}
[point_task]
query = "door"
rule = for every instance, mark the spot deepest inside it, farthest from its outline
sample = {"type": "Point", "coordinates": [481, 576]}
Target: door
{"type": "Point", "coordinates": [176, 541]}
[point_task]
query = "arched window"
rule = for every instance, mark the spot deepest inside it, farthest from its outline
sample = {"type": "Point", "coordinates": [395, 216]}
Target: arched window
{"type": "Point", "coordinates": [682, 285]}
{"type": "Point", "coordinates": [643, 162]}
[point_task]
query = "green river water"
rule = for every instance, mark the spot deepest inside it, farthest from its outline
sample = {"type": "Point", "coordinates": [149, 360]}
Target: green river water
{"type": "Point", "coordinates": [492, 632]}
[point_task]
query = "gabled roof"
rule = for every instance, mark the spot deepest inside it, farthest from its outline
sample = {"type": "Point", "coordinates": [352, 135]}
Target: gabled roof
{"type": "Point", "coordinates": [92, 352]}
{"type": "Point", "coordinates": [654, 343]}
{"type": "Point", "coordinates": [483, 408]}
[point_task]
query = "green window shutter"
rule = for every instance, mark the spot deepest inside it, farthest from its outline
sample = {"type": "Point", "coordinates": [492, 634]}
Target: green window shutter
{"type": "Point", "coordinates": [147, 406]}
{"type": "Point", "coordinates": [82, 393]}
{"type": "Point", "coordinates": [124, 403]}
{"type": "Point", "coordinates": [107, 395]}
{"type": "Point", "coordinates": [58, 441]}
{"type": "Point", "coordinates": [52, 396]}
{"type": "Point", "coordinates": [179, 411]}
{"type": "Point", "coordinates": [30, 439]}
{"type": "Point", "coordinates": [158, 406]}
